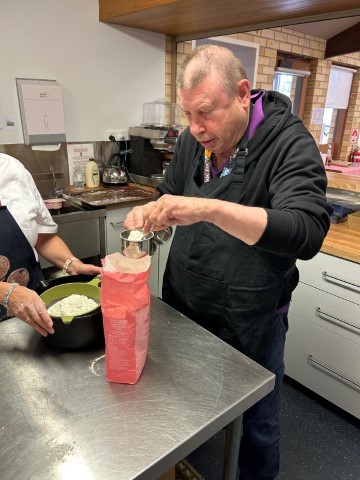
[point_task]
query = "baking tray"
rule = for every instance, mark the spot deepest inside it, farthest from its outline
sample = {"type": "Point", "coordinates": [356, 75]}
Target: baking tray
{"type": "Point", "coordinates": [111, 197]}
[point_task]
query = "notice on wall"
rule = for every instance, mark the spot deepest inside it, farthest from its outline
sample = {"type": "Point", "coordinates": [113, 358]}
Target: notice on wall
{"type": "Point", "coordinates": [354, 135]}
{"type": "Point", "coordinates": [317, 115]}
{"type": "Point", "coordinates": [78, 156]}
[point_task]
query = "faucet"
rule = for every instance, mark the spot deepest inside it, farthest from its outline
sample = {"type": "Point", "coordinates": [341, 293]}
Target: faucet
{"type": "Point", "coordinates": [57, 192]}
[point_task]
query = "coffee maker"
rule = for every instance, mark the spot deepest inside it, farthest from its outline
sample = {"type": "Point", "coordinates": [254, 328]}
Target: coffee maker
{"type": "Point", "coordinates": [154, 138]}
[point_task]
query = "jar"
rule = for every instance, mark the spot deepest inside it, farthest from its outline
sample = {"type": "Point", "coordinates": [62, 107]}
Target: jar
{"type": "Point", "coordinates": [92, 177]}
{"type": "Point", "coordinates": [79, 178]}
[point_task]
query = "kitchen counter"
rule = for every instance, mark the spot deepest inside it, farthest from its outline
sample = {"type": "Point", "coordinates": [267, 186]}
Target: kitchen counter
{"type": "Point", "coordinates": [61, 419]}
{"type": "Point", "coordinates": [343, 181]}
{"type": "Point", "coordinates": [341, 241]}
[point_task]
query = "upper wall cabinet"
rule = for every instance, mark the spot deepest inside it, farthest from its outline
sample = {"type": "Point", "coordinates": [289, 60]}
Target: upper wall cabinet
{"type": "Point", "coordinates": [187, 19]}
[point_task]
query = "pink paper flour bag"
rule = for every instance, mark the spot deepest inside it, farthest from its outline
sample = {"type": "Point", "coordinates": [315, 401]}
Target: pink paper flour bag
{"type": "Point", "coordinates": [125, 305]}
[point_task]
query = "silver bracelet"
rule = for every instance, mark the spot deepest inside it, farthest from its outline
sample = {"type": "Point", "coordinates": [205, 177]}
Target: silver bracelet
{"type": "Point", "coordinates": [5, 301]}
{"type": "Point", "coordinates": [67, 264]}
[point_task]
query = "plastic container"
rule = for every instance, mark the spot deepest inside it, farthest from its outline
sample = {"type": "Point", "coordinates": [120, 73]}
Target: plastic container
{"type": "Point", "coordinates": [79, 178]}
{"type": "Point", "coordinates": [161, 113]}
{"type": "Point", "coordinates": [92, 176]}
{"type": "Point", "coordinates": [54, 203]}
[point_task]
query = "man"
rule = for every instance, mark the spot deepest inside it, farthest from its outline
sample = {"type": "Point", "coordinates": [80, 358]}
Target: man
{"type": "Point", "coordinates": [246, 188]}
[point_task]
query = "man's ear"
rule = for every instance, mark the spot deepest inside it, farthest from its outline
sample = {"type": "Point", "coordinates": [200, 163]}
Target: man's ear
{"type": "Point", "coordinates": [243, 92]}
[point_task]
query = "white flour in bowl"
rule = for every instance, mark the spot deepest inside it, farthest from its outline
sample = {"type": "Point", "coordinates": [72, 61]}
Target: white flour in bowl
{"type": "Point", "coordinates": [72, 305]}
{"type": "Point", "coordinates": [136, 235]}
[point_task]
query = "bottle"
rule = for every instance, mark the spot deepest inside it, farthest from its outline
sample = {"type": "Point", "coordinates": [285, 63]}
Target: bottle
{"type": "Point", "coordinates": [79, 179]}
{"type": "Point", "coordinates": [92, 176]}
{"type": "Point", "coordinates": [328, 155]}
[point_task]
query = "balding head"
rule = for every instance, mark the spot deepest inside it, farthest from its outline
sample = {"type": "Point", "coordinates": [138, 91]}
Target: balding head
{"type": "Point", "coordinates": [215, 60]}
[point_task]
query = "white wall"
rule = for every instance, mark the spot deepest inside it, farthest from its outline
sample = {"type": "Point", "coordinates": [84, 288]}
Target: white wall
{"type": "Point", "coordinates": [107, 72]}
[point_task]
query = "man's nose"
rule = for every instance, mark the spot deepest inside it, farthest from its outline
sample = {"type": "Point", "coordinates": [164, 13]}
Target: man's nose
{"type": "Point", "coordinates": [197, 126]}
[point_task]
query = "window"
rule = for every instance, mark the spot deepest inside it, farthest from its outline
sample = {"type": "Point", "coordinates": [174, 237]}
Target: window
{"type": "Point", "coordinates": [291, 85]}
{"type": "Point", "coordinates": [291, 78]}
{"type": "Point", "coordinates": [337, 101]}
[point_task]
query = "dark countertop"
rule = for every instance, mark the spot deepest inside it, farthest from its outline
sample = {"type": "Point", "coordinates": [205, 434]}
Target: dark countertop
{"type": "Point", "coordinates": [61, 419]}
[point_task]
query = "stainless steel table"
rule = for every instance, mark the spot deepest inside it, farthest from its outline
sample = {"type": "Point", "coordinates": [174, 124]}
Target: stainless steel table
{"type": "Point", "coordinates": [61, 420]}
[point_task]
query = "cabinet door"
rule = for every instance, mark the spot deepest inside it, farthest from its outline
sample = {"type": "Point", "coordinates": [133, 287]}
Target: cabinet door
{"type": "Point", "coordinates": [324, 362]}
{"type": "Point", "coordinates": [114, 226]}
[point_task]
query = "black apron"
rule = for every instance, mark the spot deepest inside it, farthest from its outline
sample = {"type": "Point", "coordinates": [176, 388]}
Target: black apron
{"type": "Point", "coordinates": [17, 259]}
{"type": "Point", "coordinates": [217, 280]}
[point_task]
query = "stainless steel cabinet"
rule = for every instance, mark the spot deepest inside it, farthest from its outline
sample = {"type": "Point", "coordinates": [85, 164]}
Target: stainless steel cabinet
{"type": "Point", "coordinates": [114, 226]}
{"type": "Point", "coordinates": [323, 343]}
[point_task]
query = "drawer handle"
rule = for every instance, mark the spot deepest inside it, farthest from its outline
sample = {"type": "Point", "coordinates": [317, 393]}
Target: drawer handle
{"type": "Point", "coordinates": [334, 277]}
{"type": "Point", "coordinates": [318, 309]}
{"type": "Point", "coordinates": [116, 225]}
{"type": "Point", "coordinates": [311, 359]}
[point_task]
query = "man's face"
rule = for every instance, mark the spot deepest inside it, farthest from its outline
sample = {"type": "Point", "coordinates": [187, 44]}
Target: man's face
{"type": "Point", "coordinates": [216, 120]}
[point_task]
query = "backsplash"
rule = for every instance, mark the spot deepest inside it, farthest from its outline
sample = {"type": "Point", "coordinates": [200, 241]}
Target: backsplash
{"type": "Point", "coordinates": [38, 163]}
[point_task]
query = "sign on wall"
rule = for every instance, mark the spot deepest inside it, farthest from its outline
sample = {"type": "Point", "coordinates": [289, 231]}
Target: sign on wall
{"type": "Point", "coordinates": [354, 135]}
{"type": "Point", "coordinates": [41, 110]}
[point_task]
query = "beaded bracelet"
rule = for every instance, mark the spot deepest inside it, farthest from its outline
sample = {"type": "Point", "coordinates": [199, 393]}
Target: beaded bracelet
{"type": "Point", "coordinates": [5, 301]}
{"type": "Point", "coordinates": [67, 264]}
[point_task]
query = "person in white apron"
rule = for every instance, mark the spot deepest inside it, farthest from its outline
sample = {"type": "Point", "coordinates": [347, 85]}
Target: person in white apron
{"type": "Point", "coordinates": [247, 190]}
{"type": "Point", "coordinates": [26, 229]}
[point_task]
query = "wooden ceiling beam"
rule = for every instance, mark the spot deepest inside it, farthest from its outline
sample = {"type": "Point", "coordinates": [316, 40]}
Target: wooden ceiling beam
{"type": "Point", "coordinates": [347, 41]}
{"type": "Point", "coordinates": [199, 18]}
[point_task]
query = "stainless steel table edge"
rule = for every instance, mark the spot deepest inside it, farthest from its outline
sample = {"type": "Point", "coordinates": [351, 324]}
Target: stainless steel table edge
{"type": "Point", "coordinates": [233, 418]}
{"type": "Point", "coordinates": [17, 344]}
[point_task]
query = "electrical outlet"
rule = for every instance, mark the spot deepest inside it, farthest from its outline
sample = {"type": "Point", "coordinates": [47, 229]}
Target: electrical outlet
{"type": "Point", "coordinates": [118, 134]}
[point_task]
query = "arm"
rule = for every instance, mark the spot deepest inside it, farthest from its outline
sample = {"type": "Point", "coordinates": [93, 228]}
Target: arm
{"type": "Point", "coordinates": [245, 223]}
{"type": "Point", "coordinates": [54, 250]}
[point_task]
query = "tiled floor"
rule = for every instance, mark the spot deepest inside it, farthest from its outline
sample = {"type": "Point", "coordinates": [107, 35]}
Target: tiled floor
{"type": "Point", "coordinates": [318, 441]}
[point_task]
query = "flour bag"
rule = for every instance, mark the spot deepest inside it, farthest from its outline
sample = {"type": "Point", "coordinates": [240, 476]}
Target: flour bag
{"type": "Point", "coordinates": [125, 305]}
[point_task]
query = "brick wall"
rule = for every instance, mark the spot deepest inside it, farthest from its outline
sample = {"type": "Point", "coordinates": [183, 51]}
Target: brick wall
{"type": "Point", "coordinates": [286, 40]}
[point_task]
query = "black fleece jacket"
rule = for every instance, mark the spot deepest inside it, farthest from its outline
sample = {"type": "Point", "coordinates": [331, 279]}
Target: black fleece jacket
{"type": "Point", "coordinates": [284, 174]}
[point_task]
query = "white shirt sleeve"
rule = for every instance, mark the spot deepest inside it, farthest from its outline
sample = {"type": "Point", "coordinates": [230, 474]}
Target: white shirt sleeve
{"type": "Point", "coordinates": [23, 200]}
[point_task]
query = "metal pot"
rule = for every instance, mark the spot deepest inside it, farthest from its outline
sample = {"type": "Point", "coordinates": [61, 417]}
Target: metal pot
{"type": "Point", "coordinates": [114, 175]}
{"type": "Point", "coordinates": [82, 331]}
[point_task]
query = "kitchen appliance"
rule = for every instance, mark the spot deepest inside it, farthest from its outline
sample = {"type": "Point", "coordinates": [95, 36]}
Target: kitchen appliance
{"type": "Point", "coordinates": [156, 136]}
{"type": "Point", "coordinates": [115, 173]}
